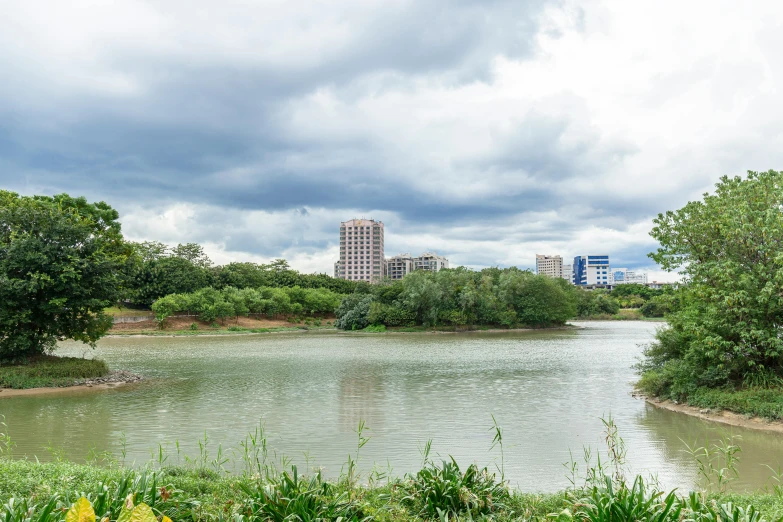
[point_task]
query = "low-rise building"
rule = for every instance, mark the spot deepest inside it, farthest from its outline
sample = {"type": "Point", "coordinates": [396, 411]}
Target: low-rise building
{"type": "Point", "coordinates": [591, 270]}
{"type": "Point", "coordinates": [430, 261]}
{"type": "Point", "coordinates": [624, 276]}
{"type": "Point", "coordinates": [401, 265]}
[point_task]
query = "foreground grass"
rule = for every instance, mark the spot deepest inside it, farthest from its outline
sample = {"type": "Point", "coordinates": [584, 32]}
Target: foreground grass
{"type": "Point", "coordinates": [49, 372]}
{"type": "Point", "coordinates": [205, 495]}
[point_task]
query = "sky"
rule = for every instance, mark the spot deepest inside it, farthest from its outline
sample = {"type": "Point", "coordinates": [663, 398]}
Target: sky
{"type": "Point", "coordinates": [487, 131]}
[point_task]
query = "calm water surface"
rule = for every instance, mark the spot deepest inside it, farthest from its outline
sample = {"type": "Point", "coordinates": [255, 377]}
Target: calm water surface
{"type": "Point", "coordinates": [548, 390]}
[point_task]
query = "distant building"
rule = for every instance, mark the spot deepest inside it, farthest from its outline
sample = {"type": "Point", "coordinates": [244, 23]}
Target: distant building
{"type": "Point", "coordinates": [551, 266]}
{"type": "Point", "coordinates": [568, 273]}
{"type": "Point", "coordinates": [401, 265]}
{"type": "Point", "coordinates": [591, 270]}
{"type": "Point", "coordinates": [623, 276]}
{"type": "Point", "coordinates": [361, 251]}
{"type": "Point", "coordinates": [430, 261]}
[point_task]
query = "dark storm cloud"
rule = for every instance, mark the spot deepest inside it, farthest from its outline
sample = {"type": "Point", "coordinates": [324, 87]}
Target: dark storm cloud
{"type": "Point", "coordinates": [195, 121]}
{"type": "Point", "coordinates": [215, 130]}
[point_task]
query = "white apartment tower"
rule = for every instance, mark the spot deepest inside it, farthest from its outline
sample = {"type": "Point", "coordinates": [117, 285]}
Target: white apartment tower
{"type": "Point", "coordinates": [551, 266]}
{"type": "Point", "coordinates": [361, 251]}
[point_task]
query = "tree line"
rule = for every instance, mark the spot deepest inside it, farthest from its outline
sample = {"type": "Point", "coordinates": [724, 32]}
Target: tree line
{"type": "Point", "coordinates": [157, 270]}
{"type": "Point", "coordinates": [462, 297]}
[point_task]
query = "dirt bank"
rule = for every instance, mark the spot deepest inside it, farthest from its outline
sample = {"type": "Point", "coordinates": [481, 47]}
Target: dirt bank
{"type": "Point", "coordinates": [724, 417]}
{"type": "Point", "coordinates": [8, 392]}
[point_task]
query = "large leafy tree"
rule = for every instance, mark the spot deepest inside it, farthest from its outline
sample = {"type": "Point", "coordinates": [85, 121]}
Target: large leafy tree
{"type": "Point", "coordinates": [729, 249]}
{"type": "Point", "coordinates": [62, 261]}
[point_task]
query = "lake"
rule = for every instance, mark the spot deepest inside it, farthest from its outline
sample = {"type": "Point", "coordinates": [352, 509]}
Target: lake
{"type": "Point", "coordinates": [547, 389]}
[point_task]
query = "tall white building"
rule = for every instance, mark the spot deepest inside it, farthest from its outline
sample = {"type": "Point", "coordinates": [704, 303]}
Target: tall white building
{"type": "Point", "coordinates": [551, 266]}
{"type": "Point", "coordinates": [361, 251]}
{"type": "Point", "coordinates": [621, 276]}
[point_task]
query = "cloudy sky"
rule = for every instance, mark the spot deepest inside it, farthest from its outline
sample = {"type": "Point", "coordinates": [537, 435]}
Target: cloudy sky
{"type": "Point", "coordinates": [485, 130]}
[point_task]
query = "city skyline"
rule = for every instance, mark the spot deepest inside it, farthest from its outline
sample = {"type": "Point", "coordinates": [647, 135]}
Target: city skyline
{"type": "Point", "coordinates": [485, 131]}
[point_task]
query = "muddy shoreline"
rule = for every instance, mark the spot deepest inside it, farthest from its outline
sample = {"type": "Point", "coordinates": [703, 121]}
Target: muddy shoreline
{"type": "Point", "coordinates": [723, 416]}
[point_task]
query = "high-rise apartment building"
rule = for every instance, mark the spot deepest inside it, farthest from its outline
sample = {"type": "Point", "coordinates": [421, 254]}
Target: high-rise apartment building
{"type": "Point", "coordinates": [551, 266]}
{"type": "Point", "coordinates": [361, 251]}
{"type": "Point", "coordinates": [591, 270]}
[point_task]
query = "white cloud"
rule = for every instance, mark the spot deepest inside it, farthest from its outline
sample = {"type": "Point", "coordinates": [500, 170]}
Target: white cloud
{"type": "Point", "coordinates": [519, 130]}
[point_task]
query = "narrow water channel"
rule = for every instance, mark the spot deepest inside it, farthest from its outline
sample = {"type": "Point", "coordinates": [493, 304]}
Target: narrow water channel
{"type": "Point", "coordinates": [548, 390]}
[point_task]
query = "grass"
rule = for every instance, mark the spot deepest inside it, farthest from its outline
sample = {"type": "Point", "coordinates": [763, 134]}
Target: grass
{"type": "Point", "coordinates": [759, 402]}
{"type": "Point", "coordinates": [115, 311]}
{"type": "Point", "coordinates": [625, 314]}
{"type": "Point", "coordinates": [204, 495]}
{"type": "Point", "coordinates": [50, 372]}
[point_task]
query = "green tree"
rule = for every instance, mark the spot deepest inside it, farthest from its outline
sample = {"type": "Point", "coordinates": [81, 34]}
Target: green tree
{"type": "Point", "coordinates": [168, 275]}
{"type": "Point", "coordinates": [192, 252]}
{"type": "Point", "coordinates": [62, 261]}
{"type": "Point", "coordinates": [729, 249]}
{"type": "Point", "coordinates": [150, 250]}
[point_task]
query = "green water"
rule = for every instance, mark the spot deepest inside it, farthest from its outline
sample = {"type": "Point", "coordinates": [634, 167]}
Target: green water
{"type": "Point", "coordinates": [547, 390]}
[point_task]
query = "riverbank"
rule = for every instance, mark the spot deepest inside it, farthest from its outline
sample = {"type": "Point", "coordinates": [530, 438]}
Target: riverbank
{"type": "Point", "coordinates": [48, 373]}
{"type": "Point", "coordinates": [625, 314]}
{"type": "Point", "coordinates": [201, 494]}
{"type": "Point", "coordinates": [189, 326]}
{"type": "Point", "coordinates": [722, 416]}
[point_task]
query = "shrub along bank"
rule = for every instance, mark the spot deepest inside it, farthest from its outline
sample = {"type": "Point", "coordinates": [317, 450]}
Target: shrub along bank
{"type": "Point", "coordinates": [211, 305]}
{"type": "Point", "coordinates": [723, 347]}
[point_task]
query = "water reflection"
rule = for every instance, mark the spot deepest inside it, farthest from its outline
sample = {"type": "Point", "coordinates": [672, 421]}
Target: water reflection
{"type": "Point", "coordinates": [548, 390]}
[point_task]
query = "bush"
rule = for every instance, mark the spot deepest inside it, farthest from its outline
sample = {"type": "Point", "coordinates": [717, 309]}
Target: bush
{"type": "Point", "coordinates": [289, 496]}
{"type": "Point", "coordinates": [438, 491]}
{"type": "Point", "coordinates": [354, 312]}
{"type": "Point", "coordinates": [375, 328]}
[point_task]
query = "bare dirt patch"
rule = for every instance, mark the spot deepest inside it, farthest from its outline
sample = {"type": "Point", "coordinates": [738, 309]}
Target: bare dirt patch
{"type": "Point", "coordinates": [724, 417]}
{"type": "Point", "coordinates": [174, 324]}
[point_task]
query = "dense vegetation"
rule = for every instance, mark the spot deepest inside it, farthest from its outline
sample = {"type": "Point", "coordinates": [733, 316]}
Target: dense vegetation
{"type": "Point", "coordinates": [160, 270]}
{"type": "Point", "coordinates": [725, 333]}
{"type": "Point", "coordinates": [210, 304]}
{"type": "Point", "coordinates": [461, 297]}
{"type": "Point", "coordinates": [62, 261]}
